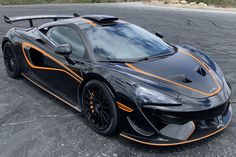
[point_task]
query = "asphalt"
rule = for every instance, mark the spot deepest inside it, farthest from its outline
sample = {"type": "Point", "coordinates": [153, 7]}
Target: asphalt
{"type": "Point", "coordinates": [33, 123]}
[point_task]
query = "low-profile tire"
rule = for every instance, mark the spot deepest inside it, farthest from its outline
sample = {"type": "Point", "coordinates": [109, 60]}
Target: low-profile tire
{"type": "Point", "coordinates": [11, 61]}
{"type": "Point", "coordinates": [99, 108]}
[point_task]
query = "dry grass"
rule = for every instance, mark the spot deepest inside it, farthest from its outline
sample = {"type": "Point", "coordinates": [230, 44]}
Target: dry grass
{"type": "Point", "coordinates": [222, 3]}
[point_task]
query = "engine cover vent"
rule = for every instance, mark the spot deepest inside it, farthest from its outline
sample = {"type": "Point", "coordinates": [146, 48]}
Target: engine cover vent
{"type": "Point", "coordinates": [101, 19]}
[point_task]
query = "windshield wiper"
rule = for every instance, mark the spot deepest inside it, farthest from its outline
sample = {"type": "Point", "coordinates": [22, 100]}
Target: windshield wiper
{"type": "Point", "coordinates": [114, 61]}
{"type": "Point", "coordinates": [143, 59]}
{"type": "Point", "coordinates": [155, 56]}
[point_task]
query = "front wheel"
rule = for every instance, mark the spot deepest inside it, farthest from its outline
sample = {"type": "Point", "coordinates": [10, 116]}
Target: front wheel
{"type": "Point", "coordinates": [99, 107]}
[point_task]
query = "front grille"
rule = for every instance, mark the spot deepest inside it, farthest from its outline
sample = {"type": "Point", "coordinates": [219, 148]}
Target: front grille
{"type": "Point", "coordinates": [161, 119]}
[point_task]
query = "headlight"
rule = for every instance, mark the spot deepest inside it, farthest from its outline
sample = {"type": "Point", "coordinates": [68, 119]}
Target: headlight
{"type": "Point", "coordinates": [149, 96]}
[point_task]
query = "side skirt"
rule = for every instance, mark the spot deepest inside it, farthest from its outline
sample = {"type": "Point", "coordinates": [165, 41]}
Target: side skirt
{"type": "Point", "coordinates": [42, 86]}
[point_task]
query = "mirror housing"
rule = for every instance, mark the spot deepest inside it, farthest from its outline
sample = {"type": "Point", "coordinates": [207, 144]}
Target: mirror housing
{"type": "Point", "coordinates": [160, 35]}
{"type": "Point", "coordinates": [64, 49]}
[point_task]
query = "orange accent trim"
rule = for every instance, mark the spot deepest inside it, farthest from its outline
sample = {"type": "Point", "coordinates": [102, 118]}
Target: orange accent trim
{"type": "Point", "coordinates": [56, 96]}
{"type": "Point", "coordinates": [124, 107]}
{"type": "Point", "coordinates": [178, 84]}
{"type": "Point", "coordinates": [174, 144]}
{"type": "Point", "coordinates": [89, 22]}
{"type": "Point", "coordinates": [77, 78]}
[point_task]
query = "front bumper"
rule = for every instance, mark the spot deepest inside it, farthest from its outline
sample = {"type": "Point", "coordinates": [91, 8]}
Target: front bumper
{"type": "Point", "coordinates": [143, 127]}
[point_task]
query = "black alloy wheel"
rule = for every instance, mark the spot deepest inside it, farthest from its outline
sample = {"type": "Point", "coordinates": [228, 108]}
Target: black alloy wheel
{"type": "Point", "coordinates": [99, 108]}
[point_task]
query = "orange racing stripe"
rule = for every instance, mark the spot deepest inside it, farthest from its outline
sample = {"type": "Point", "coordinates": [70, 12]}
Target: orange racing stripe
{"type": "Point", "coordinates": [89, 22]}
{"type": "Point", "coordinates": [179, 84]}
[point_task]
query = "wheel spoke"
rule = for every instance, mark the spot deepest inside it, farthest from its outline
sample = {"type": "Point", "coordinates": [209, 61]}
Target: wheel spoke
{"type": "Point", "coordinates": [106, 114]}
{"type": "Point", "coordinates": [104, 118]}
{"type": "Point", "coordinates": [6, 57]}
{"type": "Point", "coordinates": [87, 97]}
{"type": "Point", "coordinates": [105, 107]}
{"type": "Point", "coordinates": [98, 120]}
{"type": "Point", "coordinates": [96, 97]}
{"type": "Point", "coordinates": [100, 95]}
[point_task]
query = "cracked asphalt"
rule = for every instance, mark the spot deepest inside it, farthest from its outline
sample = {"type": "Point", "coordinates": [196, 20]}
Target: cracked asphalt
{"type": "Point", "coordinates": [34, 123]}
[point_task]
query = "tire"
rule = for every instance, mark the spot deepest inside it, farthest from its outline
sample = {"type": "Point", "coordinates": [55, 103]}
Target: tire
{"type": "Point", "coordinates": [99, 108]}
{"type": "Point", "coordinates": [12, 64]}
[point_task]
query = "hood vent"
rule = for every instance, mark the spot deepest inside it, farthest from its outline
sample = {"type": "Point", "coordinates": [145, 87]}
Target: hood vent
{"type": "Point", "coordinates": [181, 78]}
{"type": "Point", "coordinates": [185, 80]}
{"type": "Point", "coordinates": [201, 71]}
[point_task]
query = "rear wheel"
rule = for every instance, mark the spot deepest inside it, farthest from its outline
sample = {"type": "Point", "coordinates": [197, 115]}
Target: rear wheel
{"type": "Point", "coordinates": [99, 107]}
{"type": "Point", "coordinates": [11, 61]}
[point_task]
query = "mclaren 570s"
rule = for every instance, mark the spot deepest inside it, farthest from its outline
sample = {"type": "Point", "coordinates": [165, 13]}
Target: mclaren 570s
{"type": "Point", "coordinates": [123, 78]}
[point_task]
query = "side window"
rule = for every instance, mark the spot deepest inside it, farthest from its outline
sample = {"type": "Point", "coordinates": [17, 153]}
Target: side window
{"type": "Point", "coordinates": [67, 35]}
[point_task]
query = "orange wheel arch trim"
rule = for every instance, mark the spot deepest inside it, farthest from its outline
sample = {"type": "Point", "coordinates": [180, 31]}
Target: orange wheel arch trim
{"type": "Point", "coordinates": [179, 84]}
{"type": "Point", "coordinates": [67, 71]}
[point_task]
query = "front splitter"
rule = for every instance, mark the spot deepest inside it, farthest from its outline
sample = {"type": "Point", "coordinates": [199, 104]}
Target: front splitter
{"type": "Point", "coordinates": [195, 137]}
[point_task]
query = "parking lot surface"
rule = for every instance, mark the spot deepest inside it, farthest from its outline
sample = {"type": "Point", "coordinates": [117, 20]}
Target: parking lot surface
{"type": "Point", "coordinates": [34, 123]}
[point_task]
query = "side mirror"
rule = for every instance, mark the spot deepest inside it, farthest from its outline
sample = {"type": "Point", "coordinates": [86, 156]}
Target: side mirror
{"type": "Point", "coordinates": [160, 35]}
{"type": "Point", "coordinates": [64, 49]}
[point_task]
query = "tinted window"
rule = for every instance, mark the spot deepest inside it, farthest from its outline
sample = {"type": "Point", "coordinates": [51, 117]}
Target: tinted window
{"type": "Point", "coordinates": [67, 35]}
{"type": "Point", "coordinates": [125, 41]}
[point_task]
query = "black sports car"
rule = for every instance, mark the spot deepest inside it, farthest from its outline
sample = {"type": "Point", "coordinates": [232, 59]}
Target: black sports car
{"type": "Point", "coordinates": [123, 78]}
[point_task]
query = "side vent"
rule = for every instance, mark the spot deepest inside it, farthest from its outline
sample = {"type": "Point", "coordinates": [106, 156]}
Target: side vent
{"type": "Point", "coordinates": [201, 71]}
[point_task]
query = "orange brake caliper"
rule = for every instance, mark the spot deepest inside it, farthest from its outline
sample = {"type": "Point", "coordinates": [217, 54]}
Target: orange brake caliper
{"type": "Point", "coordinates": [91, 102]}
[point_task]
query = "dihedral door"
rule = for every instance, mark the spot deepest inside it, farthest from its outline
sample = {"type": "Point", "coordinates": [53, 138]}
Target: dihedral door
{"type": "Point", "coordinates": [53, 69]}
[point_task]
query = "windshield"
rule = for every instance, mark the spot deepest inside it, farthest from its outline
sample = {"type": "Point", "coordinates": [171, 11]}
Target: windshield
{"type": "Point", "coordinates": [124, 41]}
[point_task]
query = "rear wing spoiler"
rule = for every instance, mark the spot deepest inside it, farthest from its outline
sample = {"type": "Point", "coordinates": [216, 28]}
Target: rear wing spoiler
{"type": "Point", "coordinates": [10, 20]}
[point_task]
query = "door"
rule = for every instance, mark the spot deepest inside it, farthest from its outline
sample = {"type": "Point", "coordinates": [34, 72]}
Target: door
{"type": "Point", "coordinates": [54, 69]}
